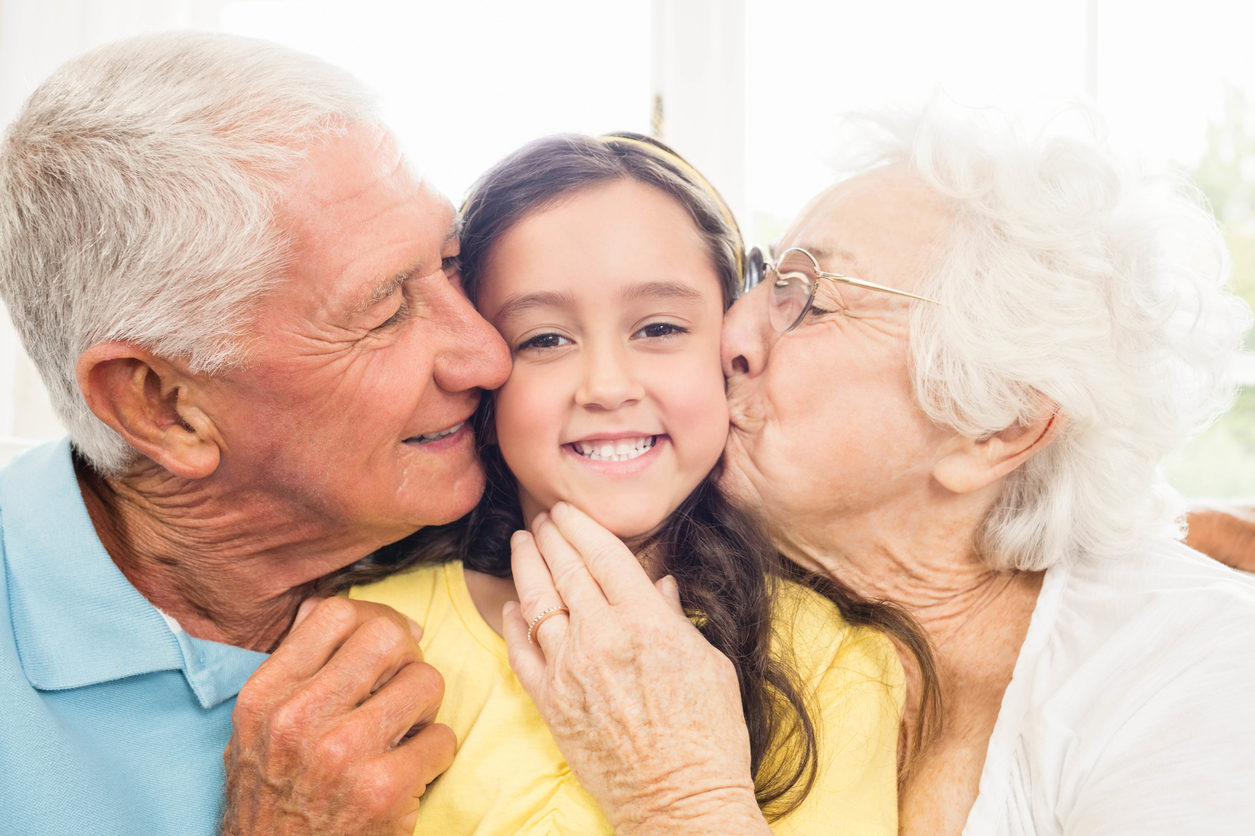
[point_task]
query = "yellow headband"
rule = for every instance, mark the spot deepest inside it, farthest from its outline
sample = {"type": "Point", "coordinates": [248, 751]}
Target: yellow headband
{"type": "Point", "coordinates": [687, 168]}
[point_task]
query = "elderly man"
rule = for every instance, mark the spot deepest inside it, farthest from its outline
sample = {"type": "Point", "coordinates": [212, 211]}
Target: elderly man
{"type": "Point", "coordinates": [245, 305]}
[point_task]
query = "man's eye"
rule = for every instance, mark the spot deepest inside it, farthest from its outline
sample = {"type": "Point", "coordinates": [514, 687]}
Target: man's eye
{"type": "Point", "coordinates": [543, 341]}
{"type": "Point", "coordinates": [396, 318]}
{"type": "Point", "coordinates": [451, 265]}
{"type": "Point", "coordinates": [656, 330]}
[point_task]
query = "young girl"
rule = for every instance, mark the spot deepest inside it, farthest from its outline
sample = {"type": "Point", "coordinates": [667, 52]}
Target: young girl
{"type": "Point", "coordinates": [607, 265]}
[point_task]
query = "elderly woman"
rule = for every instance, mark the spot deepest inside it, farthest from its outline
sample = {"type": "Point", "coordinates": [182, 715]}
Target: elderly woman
{"type": "Point", "coordinates": [986, 454]}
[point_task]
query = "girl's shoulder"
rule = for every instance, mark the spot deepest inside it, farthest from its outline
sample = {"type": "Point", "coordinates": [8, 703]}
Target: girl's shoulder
{"type": "Point", "coordinates": [855, 691]}
{"type": "Point", "coordinates": [412, 591]}
{"type": "Point", "coordinates": [823, 644]}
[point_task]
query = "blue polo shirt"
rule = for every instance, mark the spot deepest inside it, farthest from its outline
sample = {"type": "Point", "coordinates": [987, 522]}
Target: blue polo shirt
{"type": "Point", "coordinates": [112, 720]}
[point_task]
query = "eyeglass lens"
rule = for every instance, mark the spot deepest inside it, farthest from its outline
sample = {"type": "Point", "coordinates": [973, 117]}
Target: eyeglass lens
{"type": "Point", "coordinates": [792, 279]}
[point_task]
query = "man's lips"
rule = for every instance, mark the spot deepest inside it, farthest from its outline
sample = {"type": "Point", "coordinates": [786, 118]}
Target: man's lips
{"type": "Point", "coordinates": [428, 438]}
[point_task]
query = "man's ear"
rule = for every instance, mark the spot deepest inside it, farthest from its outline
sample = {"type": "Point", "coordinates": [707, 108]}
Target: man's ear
{"type": "Point", "coordinates": [969, 464]}
{"type": "Point", "coordinates": [143, 399]}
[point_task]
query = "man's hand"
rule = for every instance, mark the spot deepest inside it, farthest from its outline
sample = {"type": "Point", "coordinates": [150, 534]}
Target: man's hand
{"type": "Point", "coordinates": [1225, 533]}
{"type": "Point", "coordinates": [333, 734]}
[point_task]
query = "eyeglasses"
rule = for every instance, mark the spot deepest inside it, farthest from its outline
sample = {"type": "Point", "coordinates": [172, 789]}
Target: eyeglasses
{"type": "Point", "coordinates": [794, 277]}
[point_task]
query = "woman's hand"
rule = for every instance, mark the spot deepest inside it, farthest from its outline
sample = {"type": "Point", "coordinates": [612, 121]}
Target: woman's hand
{"type": "Point", "coordinates": [646, 712]}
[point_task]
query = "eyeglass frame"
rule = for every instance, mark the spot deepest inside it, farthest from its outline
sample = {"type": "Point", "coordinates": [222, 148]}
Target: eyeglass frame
{"type": "Point", "coordinates": [757, 266]}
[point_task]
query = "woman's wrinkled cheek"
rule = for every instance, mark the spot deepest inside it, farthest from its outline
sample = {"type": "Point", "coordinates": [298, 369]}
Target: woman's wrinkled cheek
{"type": "Point", "coordinates": [734, 479]}
{"type": "Point", "coordinates": [745, 407]}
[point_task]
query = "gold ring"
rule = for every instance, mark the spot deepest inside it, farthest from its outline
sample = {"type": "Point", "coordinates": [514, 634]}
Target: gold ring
{"type": "Point", "coordinates": [531, 629]}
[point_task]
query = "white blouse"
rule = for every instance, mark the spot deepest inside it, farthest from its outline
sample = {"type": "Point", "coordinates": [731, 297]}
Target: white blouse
{"type": "Point", "coordinates": [1132, 705]}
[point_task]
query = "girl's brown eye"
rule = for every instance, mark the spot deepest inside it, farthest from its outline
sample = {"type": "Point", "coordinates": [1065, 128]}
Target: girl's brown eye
{"type": "Point", "coordinates": [545, 341]}
{"type": "Point", "coordinates": [660, 329]}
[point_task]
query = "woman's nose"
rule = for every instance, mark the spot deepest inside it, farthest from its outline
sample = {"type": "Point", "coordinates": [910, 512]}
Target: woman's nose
{"type": "Point", "coordinates": [747, 335]}
{"type": "Point", "coordinates": [608, 382]}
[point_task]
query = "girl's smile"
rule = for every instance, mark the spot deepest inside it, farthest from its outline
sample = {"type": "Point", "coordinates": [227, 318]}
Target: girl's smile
{"type": "Point", "coordinates": [612, 310]}
{"type": "Point", "coordinates": [621, 448]}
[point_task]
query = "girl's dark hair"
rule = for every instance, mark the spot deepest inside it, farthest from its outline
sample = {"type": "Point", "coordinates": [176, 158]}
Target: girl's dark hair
{"type": "Point", "coordinates": [726, 568]}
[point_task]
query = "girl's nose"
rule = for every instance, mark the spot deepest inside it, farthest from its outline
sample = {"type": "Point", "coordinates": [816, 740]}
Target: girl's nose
{"type": "Point", "coordinates": [608, 382]}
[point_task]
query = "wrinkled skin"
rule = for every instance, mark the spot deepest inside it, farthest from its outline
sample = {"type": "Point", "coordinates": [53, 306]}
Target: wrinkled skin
{"type": "Point", "coordinates": [856, 482]}
{"type": "Point", "coordinates": [374, 347]}
{"type": "Point", "coordinates": [645, 711]}
{"type": "Point", "coordinates": [344, 431]}
{"type": "Point", "coordinates": [340, 739]}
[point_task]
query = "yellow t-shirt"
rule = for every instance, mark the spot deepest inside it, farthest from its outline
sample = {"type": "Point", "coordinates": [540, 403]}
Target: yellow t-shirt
{"type": "Point", "coordinates": [509, 777]}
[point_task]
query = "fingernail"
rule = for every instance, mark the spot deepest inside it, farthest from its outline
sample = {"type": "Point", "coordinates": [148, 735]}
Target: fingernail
{"type": "Point", "coordinates": [415, 628]}
{"type": "Point", "coordinates": [306, 607]}
{"type": "Point", "coordinates": [558, 508]}
{"type": "Point", "coordinates": [518, 538]}
{"type": "Point", "coordinates": [539, 520]}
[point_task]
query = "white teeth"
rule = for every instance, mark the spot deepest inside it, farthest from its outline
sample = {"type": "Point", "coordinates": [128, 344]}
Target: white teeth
{"type": "Point", "coordinates": [621, 450]}
{"type": "Point", "coordinates": [427, 438]}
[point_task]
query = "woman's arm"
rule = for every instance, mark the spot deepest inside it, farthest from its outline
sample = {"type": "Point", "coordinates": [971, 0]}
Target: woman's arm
{"type": "Point", "coordinates": [646, 712]}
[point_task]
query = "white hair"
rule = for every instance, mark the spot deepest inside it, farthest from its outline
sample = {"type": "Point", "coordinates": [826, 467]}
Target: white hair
{"type": "Point", "coordinates": [1067, 276]}
{"type": "Point", "coordinates": [138, 193]}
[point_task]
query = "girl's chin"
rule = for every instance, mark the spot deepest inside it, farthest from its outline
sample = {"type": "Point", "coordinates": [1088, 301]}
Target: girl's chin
{"type": "Point", "coordinates": [628, 524]}
{"type": "Point", "coordinates": [632, 532]}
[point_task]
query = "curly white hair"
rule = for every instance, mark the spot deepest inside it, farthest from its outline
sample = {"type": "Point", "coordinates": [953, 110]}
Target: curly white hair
{"type": "Point", "coordinates": [1071, 278]}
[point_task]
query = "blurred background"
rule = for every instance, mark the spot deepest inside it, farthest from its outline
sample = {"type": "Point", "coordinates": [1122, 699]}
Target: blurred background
{"type": "Point", "coordinates": [749, 90]}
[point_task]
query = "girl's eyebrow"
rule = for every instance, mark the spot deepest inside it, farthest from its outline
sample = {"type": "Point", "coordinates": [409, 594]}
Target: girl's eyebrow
{"type": "Point", "coordinates": [522, 302]}
{"type": "Point", "coordinates": [660, 290]}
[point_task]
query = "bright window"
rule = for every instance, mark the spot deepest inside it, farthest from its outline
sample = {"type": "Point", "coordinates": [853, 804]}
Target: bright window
{"type": "Point", "coordinates": [465, 83]}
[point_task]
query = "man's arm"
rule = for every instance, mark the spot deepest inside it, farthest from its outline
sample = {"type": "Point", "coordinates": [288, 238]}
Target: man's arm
{"type": "Point", "coordinates": [1225, 533]}
{"type": "Point", "coordinates": [334, 732]}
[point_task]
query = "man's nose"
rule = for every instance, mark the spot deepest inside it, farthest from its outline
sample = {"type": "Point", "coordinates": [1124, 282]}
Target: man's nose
{"type": "Point", "coordinates": [747, 335]}
{"type": "Point", "coordinates": [477, 357]}
{"type": "Point", "coordinates": [608, 381]}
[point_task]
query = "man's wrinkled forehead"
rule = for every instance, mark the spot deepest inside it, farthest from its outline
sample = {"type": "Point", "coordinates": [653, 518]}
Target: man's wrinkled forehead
{"type": "Point", "coordinates": [388, 284]}
{"type": "Point", "coordinates": [379, 158]}
{"type": "Point", "coordinates": [360, 221]}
